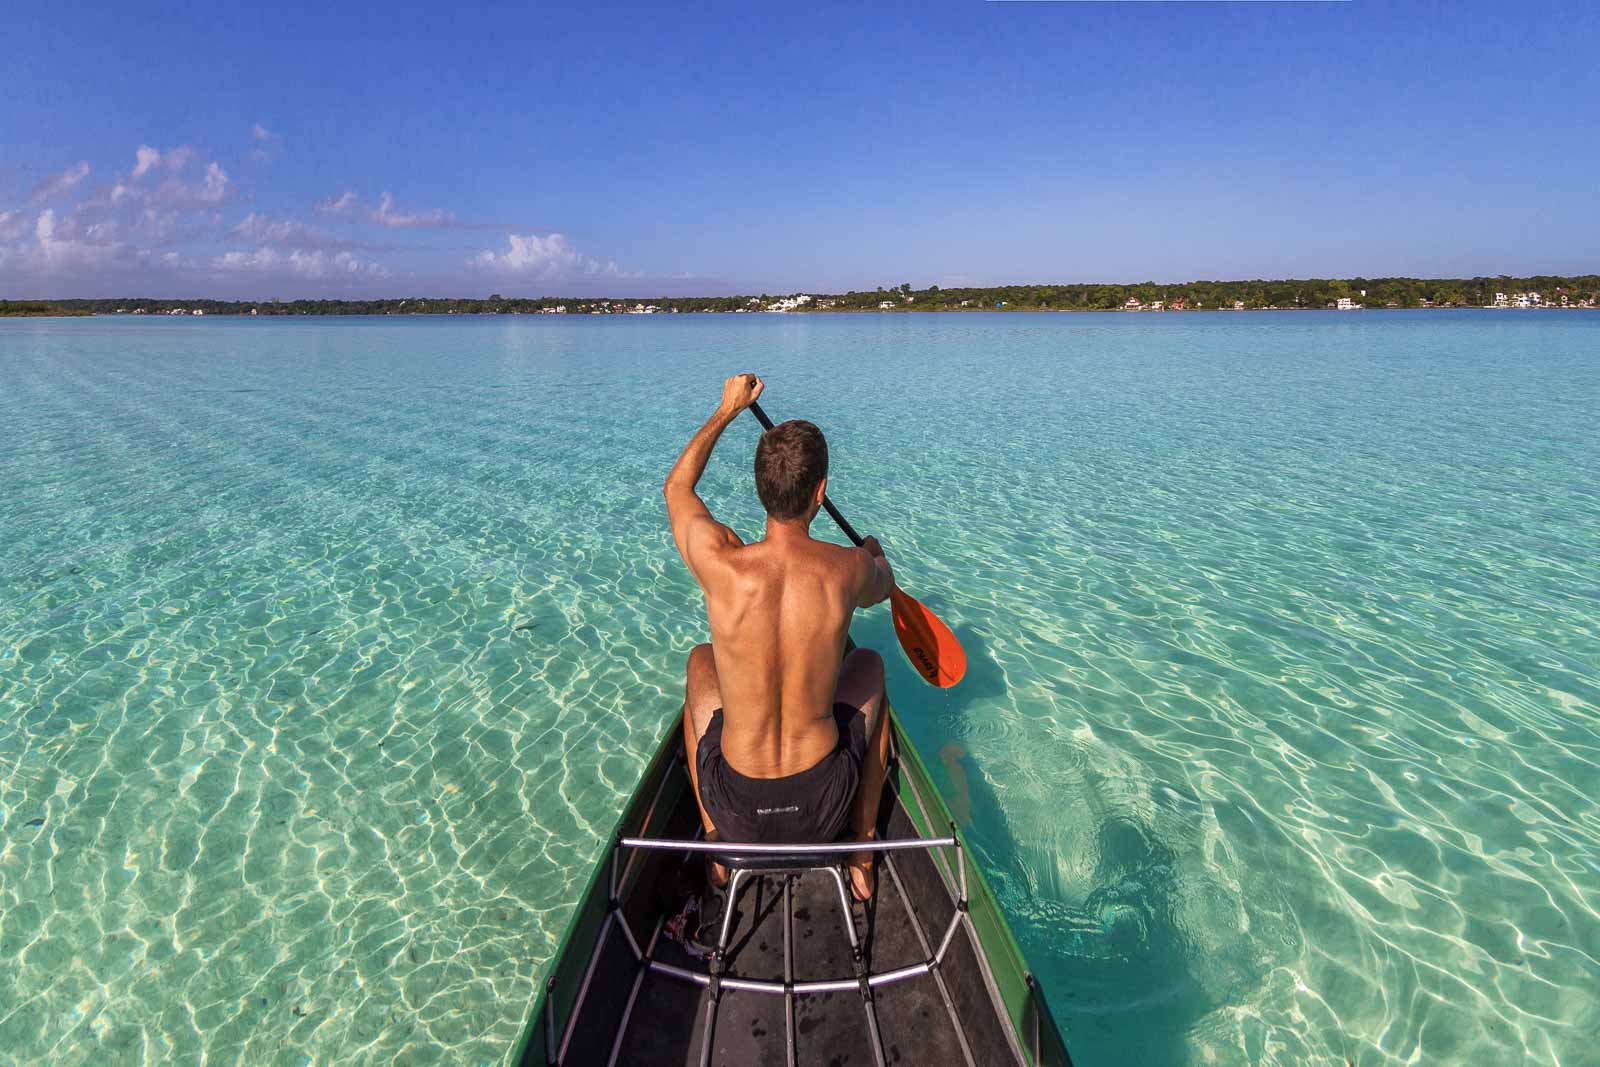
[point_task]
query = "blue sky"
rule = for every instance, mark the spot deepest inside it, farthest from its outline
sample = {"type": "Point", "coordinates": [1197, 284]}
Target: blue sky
{"type": "Point", "coordinates": [397, 149]}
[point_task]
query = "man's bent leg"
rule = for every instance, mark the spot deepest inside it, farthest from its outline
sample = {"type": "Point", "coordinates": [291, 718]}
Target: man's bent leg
{"type": "Point", "coordinates": [861, 686]}
{"type": "Point", "coordinates": [702, 696]}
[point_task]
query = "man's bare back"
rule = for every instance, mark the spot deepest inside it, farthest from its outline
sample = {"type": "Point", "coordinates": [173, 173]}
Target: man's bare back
{"type": "Point", "coordinates": [779, 611]}
{"type": "Point", "coordinates": [788, 721]}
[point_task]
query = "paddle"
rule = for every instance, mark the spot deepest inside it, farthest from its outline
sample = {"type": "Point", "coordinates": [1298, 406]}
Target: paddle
{"type": "Point", "coordinates": [927, 642]}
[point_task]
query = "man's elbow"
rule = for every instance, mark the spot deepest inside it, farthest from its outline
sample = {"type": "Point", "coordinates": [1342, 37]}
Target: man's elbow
{"type": "Point", "coordinates": [878, 589]}
{"type": "Point", "coordinates": [885, 581]}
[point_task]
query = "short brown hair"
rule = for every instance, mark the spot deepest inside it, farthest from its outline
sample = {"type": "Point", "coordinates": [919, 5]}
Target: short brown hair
{"type": "Point", "coordinates": [791, 461]}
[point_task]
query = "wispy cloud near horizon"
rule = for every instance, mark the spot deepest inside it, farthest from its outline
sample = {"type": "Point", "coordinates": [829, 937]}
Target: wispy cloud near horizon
{"type": "Point", "coordinates": [543, 258]}
{"type": "Point", "coordinates": [147, 159]}
{"type": "Point", "coordinates": [58, 185]}
{"type": "Point", "coordinates": [172, 224]}
{"type": "Point", "coordinates": [274, 231]}
{"type": "Point", "coordinates": [313, 263]}
{"type": "Point", "coordinates": [348, 206]}
{"type": "Point", "coordinates": [264, 144]}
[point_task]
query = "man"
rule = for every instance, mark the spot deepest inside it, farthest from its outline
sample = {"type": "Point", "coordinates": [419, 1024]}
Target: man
{"type": "Point", "coordinates": [785, 734]}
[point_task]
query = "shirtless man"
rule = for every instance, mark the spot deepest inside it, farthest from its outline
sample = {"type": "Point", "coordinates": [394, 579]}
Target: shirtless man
{"type": "Point", "coordinates": [785, 734]}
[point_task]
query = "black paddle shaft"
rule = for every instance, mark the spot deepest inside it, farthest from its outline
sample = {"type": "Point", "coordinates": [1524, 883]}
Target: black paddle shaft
{"type": "Point", "coordinates": [849, 531]}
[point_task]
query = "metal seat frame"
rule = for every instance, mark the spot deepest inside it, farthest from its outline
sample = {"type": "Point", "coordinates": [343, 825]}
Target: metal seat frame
{"type": "Point", "coordinates": [790, 861]}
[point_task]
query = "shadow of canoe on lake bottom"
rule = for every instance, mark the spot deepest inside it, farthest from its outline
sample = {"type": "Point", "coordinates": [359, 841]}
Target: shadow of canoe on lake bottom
{"type": "Point", "coordinates": [1117, 966]}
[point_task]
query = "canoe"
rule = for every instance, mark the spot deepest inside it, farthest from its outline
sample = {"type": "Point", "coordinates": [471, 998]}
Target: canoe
{"type": "Point", "coordinates": [938, 977]}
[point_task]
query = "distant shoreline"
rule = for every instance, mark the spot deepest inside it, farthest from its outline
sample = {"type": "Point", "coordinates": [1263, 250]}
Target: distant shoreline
{"type": "Point", "coordinates": [68, 314]}
{"type": "Point", "coordinates": [64, 313]}
{"type": "Point", "coordinates": [1538, 292]}
{"type": "Point", "coordinates": [36, 309]}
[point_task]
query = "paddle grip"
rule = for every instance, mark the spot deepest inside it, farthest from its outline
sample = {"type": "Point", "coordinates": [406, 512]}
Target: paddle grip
{"type": "Point", "coordinates": [761, 416]}
{"type": "Point", "coordinates": [849, 531]}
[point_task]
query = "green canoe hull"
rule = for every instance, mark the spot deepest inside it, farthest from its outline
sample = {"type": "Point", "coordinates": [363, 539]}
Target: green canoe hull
{"type": "Point", "coordinates": [580, 1015]}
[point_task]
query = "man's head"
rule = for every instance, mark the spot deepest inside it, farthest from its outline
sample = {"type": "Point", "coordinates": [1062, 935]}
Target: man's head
{"type": "Point", "coordinates": [791, 467]}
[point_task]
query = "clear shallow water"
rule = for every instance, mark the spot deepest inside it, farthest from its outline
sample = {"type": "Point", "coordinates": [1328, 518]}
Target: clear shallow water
{"type": "Point", "coordinates": [329, 649]}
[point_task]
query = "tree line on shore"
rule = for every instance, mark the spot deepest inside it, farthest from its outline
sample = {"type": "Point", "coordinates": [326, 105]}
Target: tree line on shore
{"type": "Point", "coordinates": [10, 309]}
{"type": "Point", "coordinates": [1288, 293]}
{"type": "Point", "coordinates": [1303, 293]}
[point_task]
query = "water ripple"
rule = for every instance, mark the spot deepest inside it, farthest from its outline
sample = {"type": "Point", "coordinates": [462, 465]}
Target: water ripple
{"type": "Point", "coordinates": [330, 650]}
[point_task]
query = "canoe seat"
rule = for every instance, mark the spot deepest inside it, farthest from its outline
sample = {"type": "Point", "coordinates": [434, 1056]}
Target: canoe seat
{"type": "Point", "coordinates": [740, 860]}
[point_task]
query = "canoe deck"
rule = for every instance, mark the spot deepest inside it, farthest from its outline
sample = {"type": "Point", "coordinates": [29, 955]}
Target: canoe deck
{"type": "Point", "coordinates": [623, 992]}
{"type": "Point", "coordinates": [916, 1021]}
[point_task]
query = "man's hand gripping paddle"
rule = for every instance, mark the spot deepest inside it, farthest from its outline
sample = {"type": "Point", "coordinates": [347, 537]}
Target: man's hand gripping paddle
{"type": "Point", "coordinates": [927, 642]}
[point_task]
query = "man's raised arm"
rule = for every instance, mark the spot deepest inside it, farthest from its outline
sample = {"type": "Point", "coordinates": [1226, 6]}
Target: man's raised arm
{"type": "Point", "coordinates": [693, 528]}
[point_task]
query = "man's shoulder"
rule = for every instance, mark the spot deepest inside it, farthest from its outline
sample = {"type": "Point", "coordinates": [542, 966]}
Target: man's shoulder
{"type": "Point", "coordinates": [842, 554]}
{"type": "Point", "coordinates": [822, 557]}
{"type": "Point", "coordinates": [841, 563]}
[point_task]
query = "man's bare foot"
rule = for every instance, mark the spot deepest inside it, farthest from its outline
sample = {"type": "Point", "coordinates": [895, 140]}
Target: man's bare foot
{"type": "Point", "coordinates": [863, 877]}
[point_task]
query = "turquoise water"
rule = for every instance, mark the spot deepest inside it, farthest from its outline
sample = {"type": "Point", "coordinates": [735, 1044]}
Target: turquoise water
{"type": "Point", "coordinates": [329, 650]}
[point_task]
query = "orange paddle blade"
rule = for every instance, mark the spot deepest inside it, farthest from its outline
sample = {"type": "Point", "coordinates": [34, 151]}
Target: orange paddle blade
{"type": "Point", "coordinates": [928, 643]}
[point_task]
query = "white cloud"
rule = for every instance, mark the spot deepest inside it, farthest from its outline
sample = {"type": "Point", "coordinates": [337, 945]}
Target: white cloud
{"type": "Point", "coordinates": [264, 144]}
{"type": "Point", "coordinates": [532, 256]}
{"type": "Point", "coordinates": [267, 230]}
{"type": "Point", "coordinates": [65, 244]}
{"type": "Point", "coordinates": [348, 205]}
{"type": "Point", "coordinates": [216, 184]}
{"type": "Point", "coordinates": [173, 190]}
{"type": "Point", "coordinates": [320, 263]}
{"type": "Point", "coordinates": [306, 263]}
{"type": "Point", "coordinates": [386, 215]}
{"type": "Point", "coordinates": [260, 259]}
{"type": "Point", "coordinates": [345, 205]}
{"type": "Point", "coordinates": [173, 160]}
{"type": "Point", "coordinates": [159, 224]}
{"type": "Point", "coordinates": [146, 160]}
{"type": "Point", "coordinates": [58, 184]}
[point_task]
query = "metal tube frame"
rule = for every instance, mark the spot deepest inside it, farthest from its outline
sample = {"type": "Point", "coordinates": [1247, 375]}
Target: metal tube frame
{"type": "Point", "coordinates": [788, 988]}
{"type": "Point", "coordinates": [938, 975]}
{"type": "Point", "coordinates": [556, 1046]}
{"type": "Point", "coordinates": [638, 982]}
{"type": "Point", "coordinates": [837, 848]}
{"type": "Point", "coordinates": [557, 1043]}
{"type": "Point", "coordinates": [778, 989]}
{"type": "Point", "coordinates": [844, 907]}
{"type": "Point", "coordinates": [614, 915]}
{"type": "Point", "coordinates": [788, 969]}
